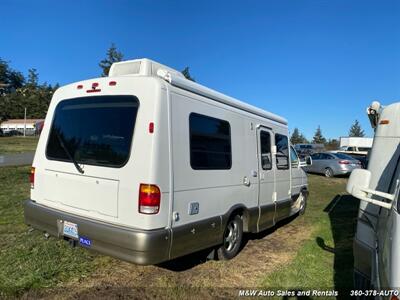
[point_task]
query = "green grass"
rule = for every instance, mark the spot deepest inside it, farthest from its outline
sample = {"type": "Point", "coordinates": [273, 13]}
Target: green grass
{"type": "Point", "coordinates": [18, 144]}
{"type": "Point", "coordinates": [27, 259]}
{"type": "Point", "coordinates": [29, 262]}
{"type": "Point", "coordinates": [325, 261]}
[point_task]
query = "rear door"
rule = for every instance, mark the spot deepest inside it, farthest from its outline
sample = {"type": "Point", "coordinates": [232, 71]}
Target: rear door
{"type": "Point", "coordinates": [89, 141]}
{"type": "Point", "coordinates": [266, 169]}
{"type": "Point", "coordinates": [282, 177]}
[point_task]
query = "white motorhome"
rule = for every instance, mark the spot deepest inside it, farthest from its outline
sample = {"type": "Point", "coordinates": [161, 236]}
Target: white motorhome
{"type": "Point", "coordinates": [377, 240]}
{"type": "Point", "coordinates": [146, 166]}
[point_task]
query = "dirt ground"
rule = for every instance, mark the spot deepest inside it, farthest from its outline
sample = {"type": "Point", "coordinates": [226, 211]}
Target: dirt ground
{"type": "Point", "coordinates": [192, 276]}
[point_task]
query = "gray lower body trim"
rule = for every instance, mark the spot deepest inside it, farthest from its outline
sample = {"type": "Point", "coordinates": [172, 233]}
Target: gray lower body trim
{"type": "Point", "coordinates": [143, 247]}
{"type": "Point", "coordinates": [196, 236]}
{"type": "Point", "coordinates": [363, 256]}
{"type": "Point", "coordinates": [267, 214]}
{"type": "Point", "coordinates": [283, 209]}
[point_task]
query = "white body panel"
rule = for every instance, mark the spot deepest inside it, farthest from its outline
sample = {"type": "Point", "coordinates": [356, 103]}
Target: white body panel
{"type": "Point", "coordinates": [356, 142]}
{"type": "Point", "coordinates": [162, 158]}
{"type": "Point", "coordinates": [378, 228]}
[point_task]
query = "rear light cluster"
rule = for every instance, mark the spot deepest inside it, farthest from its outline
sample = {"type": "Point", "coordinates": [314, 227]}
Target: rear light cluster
{"type": "Point", "coordinates": [344, 162]}
{"type": "Point", "coordinates": [95, 86]}
{"type": "Point", "coordinates": [32, 177]}
{"type": "Point", "coordinates": [149, 199]}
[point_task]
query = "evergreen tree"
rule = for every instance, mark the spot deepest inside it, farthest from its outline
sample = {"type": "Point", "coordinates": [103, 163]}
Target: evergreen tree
{"type": "Point", "coordinates": [33, 78]}
{"type": "Point", "coordinates": [187, 75]}
{"type": "Point", "coordinates": [112, 56]}
{"type": "Point", "coordinates": [318, 137]}
{"type": "Point", "coordinates": [356, 130]}
{"type": "Point", "coordinates": [297, 137]}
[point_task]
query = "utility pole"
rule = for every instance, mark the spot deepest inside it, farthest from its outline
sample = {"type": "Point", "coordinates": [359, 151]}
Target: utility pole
{"type": "Point", "coordinates": [25, 123]}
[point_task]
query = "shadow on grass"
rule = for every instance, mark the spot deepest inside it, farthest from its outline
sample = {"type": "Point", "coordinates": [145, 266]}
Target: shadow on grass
{"type": "Point", "coordinates": [191, 260]}
{"type": "Point", "coordinates": [342, 211]}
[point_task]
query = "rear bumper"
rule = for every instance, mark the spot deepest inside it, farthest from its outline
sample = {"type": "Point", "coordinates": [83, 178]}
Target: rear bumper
{"type": "Point", "coordinates": [345, 170]}
{"type": "Point", "coordinates": [144, 247]}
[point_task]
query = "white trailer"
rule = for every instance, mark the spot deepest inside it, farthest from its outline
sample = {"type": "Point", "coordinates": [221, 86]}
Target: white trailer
{"type": "Point", "coordinates": [355, 145]}
{"type": "Point", "coordinates": [146, 166]}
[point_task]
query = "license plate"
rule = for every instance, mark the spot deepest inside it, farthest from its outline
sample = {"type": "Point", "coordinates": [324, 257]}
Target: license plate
{"type": "Point", "coordinates": [70, 229]}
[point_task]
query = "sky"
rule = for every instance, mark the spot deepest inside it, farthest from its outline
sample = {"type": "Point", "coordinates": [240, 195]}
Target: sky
{"type": "Point", "coordinates": [316, 63]}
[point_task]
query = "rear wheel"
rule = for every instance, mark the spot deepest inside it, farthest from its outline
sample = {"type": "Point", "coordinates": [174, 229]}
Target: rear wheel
{"type": "Point", "coordinates": [328, 172]}
{"type": "Point", "coordinates": [232, 239]}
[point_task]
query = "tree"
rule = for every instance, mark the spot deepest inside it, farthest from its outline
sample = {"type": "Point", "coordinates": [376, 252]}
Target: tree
{"type": "Point", "coordinates": [10, 80]}
{"type": "Point", "coordinates": [112, 56]}
{"type": "Point", "coordinates": [332, 144]}
{"type": "Point", "coordinates": [31, 95]}
{"type": "Point", "coordinates": [187, 75]}
{"type": "Point", "coordinates": [356, 130]}
{"type": "Point", "coordinates": [297, 137]}
{"type": "Point", "coordinates": [318, 137]}
{"type": "Point", "coordinates": [33, 78]}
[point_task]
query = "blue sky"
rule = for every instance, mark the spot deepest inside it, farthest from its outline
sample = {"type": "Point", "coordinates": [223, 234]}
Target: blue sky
{"type": "Point", "coordinates": [313, 62]}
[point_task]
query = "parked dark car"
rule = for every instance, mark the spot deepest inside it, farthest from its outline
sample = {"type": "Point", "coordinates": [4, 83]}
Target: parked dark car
{"type": "Point", "coordinates": [13, 133]}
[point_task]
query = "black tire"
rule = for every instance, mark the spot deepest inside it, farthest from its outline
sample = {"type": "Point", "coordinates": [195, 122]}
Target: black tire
{"type": "Point", "coordinates": [303, 203]}
{"type": "Point", "coordinates": [329, 172]}
{"type": "Point", "coordinates": [232, 239]}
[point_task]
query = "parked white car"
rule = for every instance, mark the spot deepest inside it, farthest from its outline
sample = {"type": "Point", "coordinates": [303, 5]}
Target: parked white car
{"type": "Point", "coordinates": [377, 240]}
{"type": "Point", "coordinates": [146, 166]}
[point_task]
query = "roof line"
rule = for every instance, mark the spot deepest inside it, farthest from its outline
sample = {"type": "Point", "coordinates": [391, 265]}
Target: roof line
{"type": "Point", "coordinates": [199, 89]}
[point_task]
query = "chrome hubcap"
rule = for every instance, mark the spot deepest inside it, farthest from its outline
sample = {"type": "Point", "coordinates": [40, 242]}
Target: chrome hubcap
{"type": "Point", "coordinates": [231, 236]}
{"type": "Point", "coordinates": [302, 202]}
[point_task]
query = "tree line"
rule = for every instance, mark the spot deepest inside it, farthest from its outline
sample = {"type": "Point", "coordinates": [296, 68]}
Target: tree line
{"type": "Point", "coordinates": [318, 138]}
{"type": "Point", "coordinates": [18, 92]}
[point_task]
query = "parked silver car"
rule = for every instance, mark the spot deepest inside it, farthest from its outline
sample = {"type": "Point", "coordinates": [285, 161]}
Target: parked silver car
{"type": "Point", "coordinates": [332, 164]}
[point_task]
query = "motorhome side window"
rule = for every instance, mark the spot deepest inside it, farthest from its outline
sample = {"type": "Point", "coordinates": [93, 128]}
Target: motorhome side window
{"type": "Point", "coordinates": [210, 143]}
{"type": "Point", "coordinates": [94, 130]}
{"type": "Point", "coordinates": [282, 151]}
{"type": "Point", "coordinates": [265, 144]}
{"type": "Point", "coordinates": [294, 159]}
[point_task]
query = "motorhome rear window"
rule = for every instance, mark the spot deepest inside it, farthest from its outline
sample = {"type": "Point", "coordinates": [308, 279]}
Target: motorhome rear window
{"type": "Point", "coordinates": [210, 143]}
{"type": "Point", "coordinates": [95, 130]}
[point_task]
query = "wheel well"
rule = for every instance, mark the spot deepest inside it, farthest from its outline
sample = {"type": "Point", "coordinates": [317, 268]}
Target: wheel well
{"type": "Point", "coordinates": [244, 214]}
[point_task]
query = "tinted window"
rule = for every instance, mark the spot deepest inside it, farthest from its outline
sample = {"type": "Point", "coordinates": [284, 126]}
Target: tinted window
{"type": "Point", "coordinates": [95, 130]}
{"type": "Point", "coordinates": [316, 156]}
{"type": "Point", "coordinates": [282, 151]}
{"type": "Point", "coordinates": [343, 156]}
{"type": "Point", "coordinates": [294, 159]}
{"type": "Point", "coordinates": [210, 143]}
{"type": "Point", "coordinates": [265, 145]}
{"type": "Point", "coordinates": [325, 156]}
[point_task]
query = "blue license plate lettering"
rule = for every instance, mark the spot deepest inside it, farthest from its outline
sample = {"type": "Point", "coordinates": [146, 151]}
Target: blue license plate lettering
{"type": "Point", "coordinates": [84, 241]}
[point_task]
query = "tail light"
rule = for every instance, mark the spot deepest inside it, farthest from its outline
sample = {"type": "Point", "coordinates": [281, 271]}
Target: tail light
{"type": "Point", "coordinates": [149, 199]}
{"type": "Point", "coordinates": [32, 177]}
{"type": "Point", "coordinates": [344, 162]}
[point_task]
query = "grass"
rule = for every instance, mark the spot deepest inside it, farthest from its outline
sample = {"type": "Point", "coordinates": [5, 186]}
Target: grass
{"type": "Point", "coordinates": [27, 259]}
{"type": "Point", "coordinates": [326, 260]}
{"type": "Point", "coordinates": [29, 262]}
{"type": "Point", "coordinates": [18, 144]}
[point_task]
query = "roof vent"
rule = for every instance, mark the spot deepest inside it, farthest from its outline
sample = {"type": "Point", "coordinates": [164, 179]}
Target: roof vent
{"type": "Point", "coordinates": [144, 67]}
